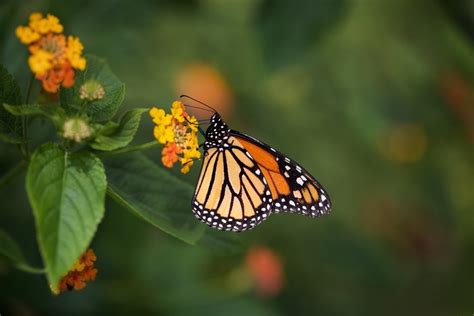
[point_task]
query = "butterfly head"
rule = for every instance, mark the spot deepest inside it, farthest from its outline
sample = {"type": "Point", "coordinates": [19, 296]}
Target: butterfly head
{"type": "Point", "coordinates": [217, 133]}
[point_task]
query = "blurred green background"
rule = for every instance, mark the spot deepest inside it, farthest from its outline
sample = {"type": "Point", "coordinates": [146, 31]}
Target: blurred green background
{"type": "Point", "coordinates": [375, 98]}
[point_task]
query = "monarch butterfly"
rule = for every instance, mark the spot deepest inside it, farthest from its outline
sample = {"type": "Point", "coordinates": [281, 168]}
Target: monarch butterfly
{"type": "Point", "coordinates": [243, 180]}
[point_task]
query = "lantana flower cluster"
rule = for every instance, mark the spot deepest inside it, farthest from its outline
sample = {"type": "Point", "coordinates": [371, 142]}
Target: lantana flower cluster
{"type": "Point", "coordinates": [54, 58]}
{"type": "Point", "coordinates": [178, 133]}
{"type": "Point", "coordinates": [83, 271]}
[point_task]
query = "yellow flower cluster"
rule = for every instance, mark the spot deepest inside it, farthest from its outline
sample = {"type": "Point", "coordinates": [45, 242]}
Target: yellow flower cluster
{"type": "Point", "coordinates": [53, 58]}
{"type": "Point", "coordinates": [178, 133]}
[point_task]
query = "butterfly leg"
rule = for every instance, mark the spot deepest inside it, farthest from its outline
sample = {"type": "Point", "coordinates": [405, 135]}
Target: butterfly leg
{"type": "Point", "coordinates": [203, 133]}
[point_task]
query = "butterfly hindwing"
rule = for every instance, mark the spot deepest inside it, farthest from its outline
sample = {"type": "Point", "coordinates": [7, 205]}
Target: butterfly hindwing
{"type": "Point", "coordinates": [293, 188]}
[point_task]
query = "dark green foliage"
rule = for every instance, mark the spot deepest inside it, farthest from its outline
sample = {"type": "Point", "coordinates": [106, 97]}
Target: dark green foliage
{"type": "Point", "coordinates": [10, 128]}
{"type": "Point", "coordinates": [153, 194]}
{"type": "Point", "coordinates": [117, 135]}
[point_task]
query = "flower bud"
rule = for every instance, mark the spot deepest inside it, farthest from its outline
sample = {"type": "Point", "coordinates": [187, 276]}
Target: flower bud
{"type": "Point", "coordinates": [76, 129]}
{"type": "Point", "coordinates": [91, 90]}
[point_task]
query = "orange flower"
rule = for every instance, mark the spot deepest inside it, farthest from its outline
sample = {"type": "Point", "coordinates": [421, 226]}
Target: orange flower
{"type": "Point", "coordinates": [83, 271]}
{"type": "Point", "coordinates": [60, 74]}
{"type": "Point", "coordinates": [178, 132]}
{"type": "Point", "coordinates": [266, 268]}
{"type": "Point", "coordinates": [53, 60]}
{"type": "Point", "coordinates": [169, 154]}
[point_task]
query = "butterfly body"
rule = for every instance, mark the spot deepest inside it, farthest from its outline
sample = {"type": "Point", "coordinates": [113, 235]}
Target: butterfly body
{"type": "Point", "coordinates": [243, 181]}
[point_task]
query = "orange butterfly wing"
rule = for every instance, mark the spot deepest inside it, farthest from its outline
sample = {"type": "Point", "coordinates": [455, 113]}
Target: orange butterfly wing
{"type": "Point", "coordinates": [293, 188]}
{"type": "Point", "coordinates": [231, 193]}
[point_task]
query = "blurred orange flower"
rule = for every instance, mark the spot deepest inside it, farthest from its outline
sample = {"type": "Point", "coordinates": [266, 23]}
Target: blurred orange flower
{"type": "Point", "coordinates": [204, 82]}
{"type": "Point", "coordinates": [83, 271]}
{"type": "Point", "coordinates": [178, 133]}
{"type": "Point", "coordinates": [53, 58]}
{"type": "Point", "coordinates": [266, 268]}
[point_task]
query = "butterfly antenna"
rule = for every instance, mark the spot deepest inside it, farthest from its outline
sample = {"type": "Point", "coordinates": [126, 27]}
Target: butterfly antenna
{"type": "Point", "coordinates": [206, 105]}
{"type": "Point", "coordinates": [197, 107]}
{"type": "Point", "coordinates": [197, 122]}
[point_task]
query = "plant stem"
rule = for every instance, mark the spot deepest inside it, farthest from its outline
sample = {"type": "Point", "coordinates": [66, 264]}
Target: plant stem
{"type": "Point", "coordinates": [30, 269]}
{"type": "Point", "coordinates": [140, 147]}
{"type": "Point", "coordinates": [12, 173]}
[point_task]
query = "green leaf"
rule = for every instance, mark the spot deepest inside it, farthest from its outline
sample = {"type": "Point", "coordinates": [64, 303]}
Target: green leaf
{"type": "Point", "coordinates": [154, 195]}
{"type": "Point", "coordinates": [10, 126]}
{"type": "Point", "coordinates": [104, 108]}
{"type": "Point", "coordinates": [10, 250]}
{"type": "Point", "coordinates": [114, 136]}
{"type": "Point", "coordinates": [55, 113]}
{"type": "Point", "coordinates": [67, 193]}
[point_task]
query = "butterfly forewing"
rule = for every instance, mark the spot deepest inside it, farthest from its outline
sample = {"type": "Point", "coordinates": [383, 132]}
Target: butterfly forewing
{"type": "Point", "coordinates": [232, 193]}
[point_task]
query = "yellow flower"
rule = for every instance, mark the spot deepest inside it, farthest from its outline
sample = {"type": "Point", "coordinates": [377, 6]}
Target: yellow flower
{"type": "Point", "coordinates": [79, 266]}
{"type": "Point", "coordinates": [177, 111]}
{"type": "Point", "coordinates": [193, 123]}
{"type": "Point", "coordinates": [192, 140]}
{"type": "Point", "coordinates": [35, 16]}
{"type": "Point", "coordinates": [26, 35]}
{"type": "Point", "coordinates": [45, 25]}
{"type": "Point", "coordinates": [54, 25]}
{"type": "Point", "coordinates": [192, 153]}
{"type": "Point", "coordinates": [160, 117]}
{"type": "Point", "coordinates": [40, 62]}
{"type": "Point", "coordinates": [164, 133]}
{"type": "Point", "coordinates": [74, 51]}
{"type": "Point", "coordinates": [186, 164]}
{"type": "Point", "coordinates": [35, 19]}
{"type": "Point", "coordinates": [41, 26]}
